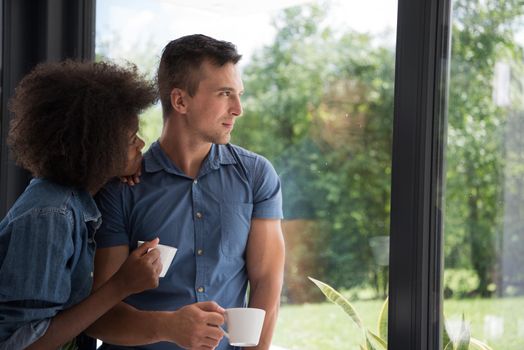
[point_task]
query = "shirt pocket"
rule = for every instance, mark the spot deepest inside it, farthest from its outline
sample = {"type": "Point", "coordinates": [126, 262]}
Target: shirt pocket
{"type": "Point", "coordinates": [235, 220]}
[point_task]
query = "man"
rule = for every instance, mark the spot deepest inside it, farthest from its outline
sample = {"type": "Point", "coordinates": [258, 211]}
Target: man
{"type": "Point", "coordinates": [219, 204]}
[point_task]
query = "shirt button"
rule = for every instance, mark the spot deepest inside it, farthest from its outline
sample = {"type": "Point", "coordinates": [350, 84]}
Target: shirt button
{"type": "Point", "coordinates": [91, 274]}
{"type": "Point", "coordinates": [200, 252]}
{"type": "Point", "coordinates": [200, 289]}
{"type": "Point", "coordinates": [199, 215]}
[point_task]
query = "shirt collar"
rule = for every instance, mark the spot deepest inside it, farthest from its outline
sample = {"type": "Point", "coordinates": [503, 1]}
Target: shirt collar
{"type": "Point", "coordinates": [156, 159]}
{"type": "Point", "coordinates": [88, 206]}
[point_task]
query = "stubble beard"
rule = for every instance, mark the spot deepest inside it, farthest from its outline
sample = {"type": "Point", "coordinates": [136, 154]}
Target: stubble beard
{"type": "Point", "coordinates": [220, 139]}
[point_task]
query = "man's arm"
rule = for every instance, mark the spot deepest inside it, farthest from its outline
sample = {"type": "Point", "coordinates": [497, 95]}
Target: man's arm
{"type": "Point", "coordinates": [189, 327]}
{"type": "Point", "coordinates": [265, 268]}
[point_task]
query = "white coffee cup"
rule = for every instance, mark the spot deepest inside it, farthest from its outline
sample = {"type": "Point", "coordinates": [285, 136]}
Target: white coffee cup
{"type": "Point", "coordinates": [167, 254]}
{"type": "Point", "coordinates": [244, 325]}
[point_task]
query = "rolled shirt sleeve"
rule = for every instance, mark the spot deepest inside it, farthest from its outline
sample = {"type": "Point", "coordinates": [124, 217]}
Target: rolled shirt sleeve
{"type": "Point", "coordinates": [267, 194]}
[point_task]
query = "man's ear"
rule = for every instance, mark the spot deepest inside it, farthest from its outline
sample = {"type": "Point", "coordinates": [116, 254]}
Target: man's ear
{"type": "Point", "coordinates": [178, 100]}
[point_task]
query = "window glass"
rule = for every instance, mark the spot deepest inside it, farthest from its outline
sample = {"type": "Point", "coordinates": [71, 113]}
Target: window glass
{"type": "Point", "coordinates": [484, 197]}
{"type": "Point", "coordinates": [318, 103]}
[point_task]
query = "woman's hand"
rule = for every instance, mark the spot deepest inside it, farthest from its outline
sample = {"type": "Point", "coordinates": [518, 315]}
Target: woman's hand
{"type": "Point", "coordinates": [132, 180]}
{"type": "Point", "coordinates": [141, 269]}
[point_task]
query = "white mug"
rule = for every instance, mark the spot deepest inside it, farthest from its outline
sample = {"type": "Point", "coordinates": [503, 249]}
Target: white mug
{"type": "Point", "coordinates": [167, 254]}
{"type": "Point", "coordinates": [244, 326]}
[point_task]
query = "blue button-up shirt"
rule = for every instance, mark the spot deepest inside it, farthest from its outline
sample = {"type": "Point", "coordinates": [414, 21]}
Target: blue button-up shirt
{"type": "Point", "coordinates": [207, 218]}
{"type": "Point", "coordinates": [46, 259]}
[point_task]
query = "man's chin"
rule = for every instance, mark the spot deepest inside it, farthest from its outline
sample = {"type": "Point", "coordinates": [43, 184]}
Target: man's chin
{"type": "Point", "coordinates": [223, 140]}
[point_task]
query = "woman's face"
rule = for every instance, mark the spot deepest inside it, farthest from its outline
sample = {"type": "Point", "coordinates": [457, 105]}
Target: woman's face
{"type": "Point", "coordinates": [134, 152]}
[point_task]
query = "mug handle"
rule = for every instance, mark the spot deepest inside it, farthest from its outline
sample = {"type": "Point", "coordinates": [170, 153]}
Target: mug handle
{"type": "Point", "coordinates": [223, 330]}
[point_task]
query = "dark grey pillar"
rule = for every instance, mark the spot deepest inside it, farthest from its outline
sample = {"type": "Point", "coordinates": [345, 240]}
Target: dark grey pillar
{"type": "Point", "coordinates": [34, 31]}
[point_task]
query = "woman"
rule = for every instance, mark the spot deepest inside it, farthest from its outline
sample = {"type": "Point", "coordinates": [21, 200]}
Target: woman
{"type": "Point", "coordinates": [74, 127]}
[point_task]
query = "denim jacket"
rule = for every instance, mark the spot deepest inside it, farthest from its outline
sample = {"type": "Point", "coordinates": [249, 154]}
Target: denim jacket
{"type": "Point", "coordinates": [46, 259]}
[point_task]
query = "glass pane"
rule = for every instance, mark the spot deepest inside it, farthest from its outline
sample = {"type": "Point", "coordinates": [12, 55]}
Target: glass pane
{"type": "Point", "coordinates": [318, 103]}
{"type": "Point", "coordinates": [484, 213]}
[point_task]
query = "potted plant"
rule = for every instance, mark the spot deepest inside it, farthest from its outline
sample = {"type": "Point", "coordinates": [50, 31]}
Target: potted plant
{"type": "Point", "coordinates": [460, 340]}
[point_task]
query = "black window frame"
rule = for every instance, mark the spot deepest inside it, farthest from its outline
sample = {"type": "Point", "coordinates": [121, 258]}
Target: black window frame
{"type": "Point", "coordinates": [419, 136]}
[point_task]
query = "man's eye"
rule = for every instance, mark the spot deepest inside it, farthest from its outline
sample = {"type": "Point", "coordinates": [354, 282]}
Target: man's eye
{"type": "Point", "coordinates": [226, 93]}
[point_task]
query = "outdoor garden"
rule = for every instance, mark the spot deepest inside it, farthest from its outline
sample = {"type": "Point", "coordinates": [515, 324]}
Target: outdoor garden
{"type": "Point", "coordinates": [318, 104]}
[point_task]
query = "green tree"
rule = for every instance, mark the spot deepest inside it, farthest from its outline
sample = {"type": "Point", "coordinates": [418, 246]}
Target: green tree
{"type": "Point", "coordinates": [483, 34]}
{"type": "Point", "coordinates": [319, 105]}
{"type": "Point", "coordinates": [140, 55]}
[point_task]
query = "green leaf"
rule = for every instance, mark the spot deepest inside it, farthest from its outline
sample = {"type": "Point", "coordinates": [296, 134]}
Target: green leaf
{"type": "Point", "coordinates": [369, 346]}
{"type": "Point", "coordinates": [339, 300]}
{"type": "Point", "coordinates": [449, 346]}
{"type": "Point", "coordinates": [71, 345]}
{"type": "Point", "coordinates": [376, 341]}
{"type": "Point", "coordinates": [362, 347]}
{"type": "Point", "coordinates": [445, 336]}
{"type": "Point", "coordinates": [463, 344]}
{"type": "Point", "coordinates": [464, 336]}
{"type": "Point", "coordinates": [475, 344]}
{"type": "Point", "coordinates": [383, 321]}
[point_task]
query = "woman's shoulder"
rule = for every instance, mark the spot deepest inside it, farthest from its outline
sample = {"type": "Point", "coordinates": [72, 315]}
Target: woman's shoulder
{"type": "Point", "coordinates": [44, 196]}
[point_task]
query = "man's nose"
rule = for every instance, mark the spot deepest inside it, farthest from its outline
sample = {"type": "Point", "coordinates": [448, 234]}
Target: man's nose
{"type": "Point", "coordinates": [236, 107]}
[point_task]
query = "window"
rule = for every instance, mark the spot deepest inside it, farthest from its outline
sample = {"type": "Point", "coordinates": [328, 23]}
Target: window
{"type": "Point", "coordinates": [484, 199]}
{"type": "Point", "coordinates": [319, 81]}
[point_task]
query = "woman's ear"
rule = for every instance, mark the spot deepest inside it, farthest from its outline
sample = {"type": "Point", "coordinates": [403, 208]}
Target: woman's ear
{"type": "Point", "coordinates": [178, 100]}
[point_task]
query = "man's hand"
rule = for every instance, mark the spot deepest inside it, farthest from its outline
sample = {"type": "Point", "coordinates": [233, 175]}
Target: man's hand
{"type": "Point", "coordinates": [196, 326]}
{"type": "Point", "coordinates": [141, 269]}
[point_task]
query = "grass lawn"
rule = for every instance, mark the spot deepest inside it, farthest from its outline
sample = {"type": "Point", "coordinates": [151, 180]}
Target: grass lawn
{"type": "Point", "coordinates": [325, 326]}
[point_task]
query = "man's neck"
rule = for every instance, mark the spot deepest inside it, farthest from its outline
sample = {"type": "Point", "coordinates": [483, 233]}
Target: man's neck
{"type": "Point", "coordinates": [185, 153]}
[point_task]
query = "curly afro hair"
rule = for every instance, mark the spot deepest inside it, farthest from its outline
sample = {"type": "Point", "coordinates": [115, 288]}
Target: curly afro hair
{"type": "Point", "coordinates": [71, 120]}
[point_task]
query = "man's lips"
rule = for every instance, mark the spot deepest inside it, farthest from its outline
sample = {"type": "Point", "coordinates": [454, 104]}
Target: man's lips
{"type": "Point", "coordinates": [228, 125]}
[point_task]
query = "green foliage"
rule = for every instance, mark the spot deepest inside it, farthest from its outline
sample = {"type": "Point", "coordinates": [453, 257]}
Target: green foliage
{"type": "Point", "coordinates": [382, 325]}
{"type": "Point", "coordinates": [371, 341]}
{"type": "Point", "coordinates": [460, 338]}
{"type": "Point", "coordinates": [151, 119]}
{"type": "Point", "coordinates": [340, 300]}
{"type": "Point", "coordinates": [151, 125]}
{"type": "Point", "coordinates": [460, 341]}
{"type": "Point", "coordinates": [319, 105]}
{"type": "Point", "coordinates": [483, 34]}
{"type": "Point", "coordinates": [71, 345]}
{"type": "Point", "coordinates": [315, 326]}
{"type": "Point", "coordinates": [460, 283]}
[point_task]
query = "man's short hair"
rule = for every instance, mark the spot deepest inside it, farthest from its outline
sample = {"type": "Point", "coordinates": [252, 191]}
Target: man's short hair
{"type": "Point", "coordinates": [182, 59]}
{"type": "Point", "coordinates": [71, 120]}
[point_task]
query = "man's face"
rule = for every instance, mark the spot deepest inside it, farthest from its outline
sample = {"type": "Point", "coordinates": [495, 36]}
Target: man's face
{"type": "Point", "coordinates": [213, 110]}
{"type": "Point", "coordinates": [134, 151]}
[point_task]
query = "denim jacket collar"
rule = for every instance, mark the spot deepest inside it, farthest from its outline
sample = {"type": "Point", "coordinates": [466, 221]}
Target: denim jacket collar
{"type": "Point", "coordinates": [88, 206]}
